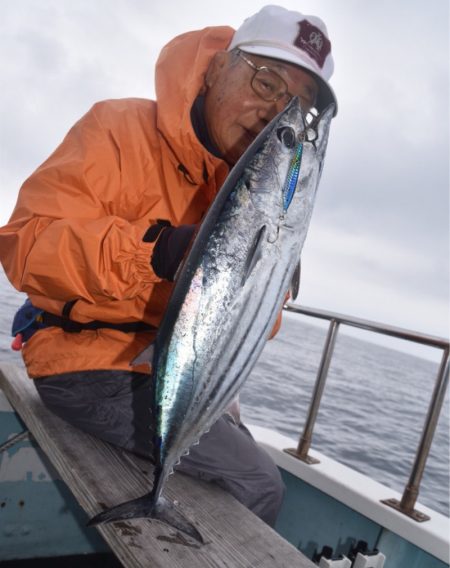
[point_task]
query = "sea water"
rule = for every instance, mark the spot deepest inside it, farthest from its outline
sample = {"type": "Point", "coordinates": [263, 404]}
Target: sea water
{"type": "Point", "coordinates": [372, 411]}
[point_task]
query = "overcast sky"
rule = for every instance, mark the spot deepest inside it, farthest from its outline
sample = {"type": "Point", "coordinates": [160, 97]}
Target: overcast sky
{"type": "Point", "coordinates": [378, 247]}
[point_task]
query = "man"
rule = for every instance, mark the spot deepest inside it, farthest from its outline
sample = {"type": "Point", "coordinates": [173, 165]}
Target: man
{"type": "Point", "coordinates": [101, 227]}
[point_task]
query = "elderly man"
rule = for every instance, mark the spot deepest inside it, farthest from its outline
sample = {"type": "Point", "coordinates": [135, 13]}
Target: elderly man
{"type": "Point", "coordinates": [101, 227]}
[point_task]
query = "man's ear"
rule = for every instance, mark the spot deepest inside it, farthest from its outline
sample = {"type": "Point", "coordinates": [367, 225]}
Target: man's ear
{"type": "Point", "coordinates": [218, 62]}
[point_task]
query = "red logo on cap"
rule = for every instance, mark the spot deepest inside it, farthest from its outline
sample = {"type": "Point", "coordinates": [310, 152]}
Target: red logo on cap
{"type": "Point", "coordinates": [313, 41]}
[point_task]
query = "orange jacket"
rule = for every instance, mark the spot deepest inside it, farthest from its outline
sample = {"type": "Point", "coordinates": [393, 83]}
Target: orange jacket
{"type": "Point", "coordinates": [76, 231]}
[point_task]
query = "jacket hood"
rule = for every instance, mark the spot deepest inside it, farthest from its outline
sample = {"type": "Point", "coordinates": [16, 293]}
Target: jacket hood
{"type": "Point", "coordinates": [179, 79]}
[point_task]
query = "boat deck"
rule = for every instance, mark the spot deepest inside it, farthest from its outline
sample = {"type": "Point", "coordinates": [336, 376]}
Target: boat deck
{"type": "Point", "coordinates": [100, 475]}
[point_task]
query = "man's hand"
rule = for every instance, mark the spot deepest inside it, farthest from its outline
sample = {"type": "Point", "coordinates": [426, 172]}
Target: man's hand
{"type": "Point", "coordinates": [170, 250]}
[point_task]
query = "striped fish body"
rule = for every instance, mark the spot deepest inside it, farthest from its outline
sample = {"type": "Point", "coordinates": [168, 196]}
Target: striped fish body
{"type": "Point", "coordinates": [232, 286]}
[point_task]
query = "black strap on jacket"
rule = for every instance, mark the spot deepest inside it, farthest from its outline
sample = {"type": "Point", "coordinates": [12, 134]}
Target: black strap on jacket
{"type": "Point", "coordinates": [71, 326]}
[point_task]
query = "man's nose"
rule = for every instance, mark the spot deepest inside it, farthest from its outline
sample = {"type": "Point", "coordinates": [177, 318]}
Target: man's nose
{"type": "Point", "coordinates": [269, 109]}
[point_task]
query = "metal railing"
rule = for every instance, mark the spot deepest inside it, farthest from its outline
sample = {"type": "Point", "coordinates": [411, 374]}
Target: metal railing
{"type": "Point", "coordinates": [411, 491]}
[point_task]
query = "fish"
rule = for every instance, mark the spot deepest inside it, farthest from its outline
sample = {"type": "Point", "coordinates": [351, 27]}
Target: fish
{"type": "Point", "coordinates": [228, 294]}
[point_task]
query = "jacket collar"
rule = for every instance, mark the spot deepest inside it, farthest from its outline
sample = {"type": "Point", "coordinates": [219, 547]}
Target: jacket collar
{"type": "Point", "coordinates": [180, 72]}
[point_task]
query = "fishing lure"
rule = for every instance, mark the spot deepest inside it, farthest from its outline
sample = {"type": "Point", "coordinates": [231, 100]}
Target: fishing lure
{"type": "Point", "coordinates": [292, 177]}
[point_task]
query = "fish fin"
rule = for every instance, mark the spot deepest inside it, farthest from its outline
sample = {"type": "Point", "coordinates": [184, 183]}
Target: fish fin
{"type": "Point", "coordinates": [255, 253]}
{"type": "Point", "coordinates": [295, 282]}
{"type": "Point", "coordinates": [162, 510]}
{"type": "Point", "coordinates": [324, 120]}
{"type": "Point", "coordinates": [137, 508]}
{"type": "Point", "coordinates": [166, 512]}
{"type": "Point", "coordinates": [145, 356]}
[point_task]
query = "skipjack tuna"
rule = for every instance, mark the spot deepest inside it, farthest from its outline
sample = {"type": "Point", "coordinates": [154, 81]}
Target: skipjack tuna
{"type": "Point", "coordinates": [228, 295]}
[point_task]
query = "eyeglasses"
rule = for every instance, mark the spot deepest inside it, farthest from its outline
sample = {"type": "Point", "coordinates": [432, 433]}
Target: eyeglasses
{"type": "Point", "coordinates": [266, 83]}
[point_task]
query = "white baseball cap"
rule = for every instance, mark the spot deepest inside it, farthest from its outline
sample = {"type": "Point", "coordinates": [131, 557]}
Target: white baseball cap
{"type": "Point", "coordinates": [292, 37]}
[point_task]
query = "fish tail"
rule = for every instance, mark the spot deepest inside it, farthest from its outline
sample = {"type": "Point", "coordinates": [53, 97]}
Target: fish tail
{"type": "Point", "coordinates": [161, 510]}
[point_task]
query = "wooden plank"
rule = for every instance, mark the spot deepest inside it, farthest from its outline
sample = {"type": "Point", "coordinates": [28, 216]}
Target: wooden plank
{"type": "Point", "coordinates": [100, 475]}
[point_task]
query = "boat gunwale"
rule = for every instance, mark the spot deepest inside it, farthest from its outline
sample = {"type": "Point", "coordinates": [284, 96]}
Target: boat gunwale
{"type": "Point", "coordinates": [359, 492]}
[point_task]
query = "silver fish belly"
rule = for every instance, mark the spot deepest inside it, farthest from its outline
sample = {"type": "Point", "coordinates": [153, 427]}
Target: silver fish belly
{"type": "Point", "coordinates": [230, 291]}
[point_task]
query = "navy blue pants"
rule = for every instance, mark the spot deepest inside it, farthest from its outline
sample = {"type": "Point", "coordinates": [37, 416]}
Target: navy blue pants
{"type": "Point", "coordinates": [115, 406]}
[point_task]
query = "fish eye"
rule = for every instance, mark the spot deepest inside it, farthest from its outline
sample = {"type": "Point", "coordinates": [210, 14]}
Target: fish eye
{"type": "Point", "coordinates": [287, 136]}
